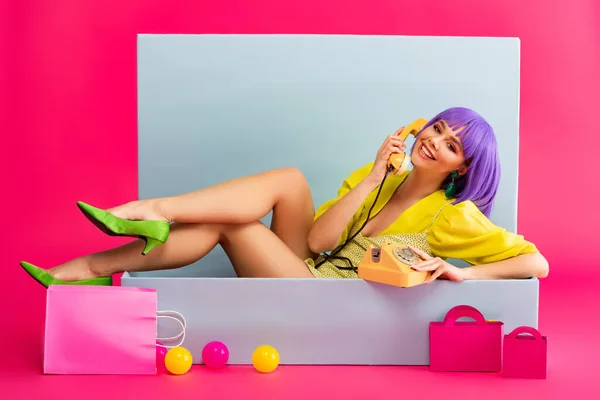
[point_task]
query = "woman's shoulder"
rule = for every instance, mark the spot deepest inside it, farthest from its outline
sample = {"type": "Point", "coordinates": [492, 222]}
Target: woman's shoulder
{"type": "Point", "coordinates": [462, 231]}
{"type": "Point", "coordinates": [465, 209]}
{"type": "Point", "coordinates": [462, 218]}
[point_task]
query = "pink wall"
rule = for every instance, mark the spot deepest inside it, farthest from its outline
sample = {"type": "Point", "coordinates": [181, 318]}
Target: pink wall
{"type": "Point", "coordinates": [72, 107]}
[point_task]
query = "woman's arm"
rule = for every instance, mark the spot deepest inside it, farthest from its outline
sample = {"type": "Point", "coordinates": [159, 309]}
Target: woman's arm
{"type": "Point", "coordinates": [461, 231]}
{"type": "Point", "coordinates": [523, 266]}
{"type": "Point", "coordinates": [531, 265]}
{"type": "Point", "coordinates": [326, 230]}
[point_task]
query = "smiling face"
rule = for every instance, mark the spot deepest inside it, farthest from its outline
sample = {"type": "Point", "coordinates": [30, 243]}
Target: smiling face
{"type": "Point", "coordinates": [438, 149]}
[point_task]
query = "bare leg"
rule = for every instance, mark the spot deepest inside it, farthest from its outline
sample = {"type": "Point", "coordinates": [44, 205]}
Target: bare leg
{"type": "Point", "coordinates": [254, 250]}
{"type": "Point", "coordinates": [187, 243]}
{"type": "Point", "coordinates": [292, 218]}
{"type": "Point", "coordinates": [237, 201]}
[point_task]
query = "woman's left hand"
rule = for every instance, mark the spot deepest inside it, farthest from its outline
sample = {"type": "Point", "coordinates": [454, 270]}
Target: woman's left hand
{"type": "Point", "coordinates": [438, 267]}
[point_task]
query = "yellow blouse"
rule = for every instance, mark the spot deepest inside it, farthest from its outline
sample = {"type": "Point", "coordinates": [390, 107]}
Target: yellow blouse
{"type": "Point", "coordinates": [459, 231]}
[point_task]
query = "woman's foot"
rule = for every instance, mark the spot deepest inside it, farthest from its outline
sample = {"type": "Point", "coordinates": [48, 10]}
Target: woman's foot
{"type": "Point", "coordinates": [140, 210]}
{"type": "Point", "coordinates": [75, 270]}
{"type": "Point", "coordinates": [140, 219]}
{"type": "Point", "coordinates": [71, 273]}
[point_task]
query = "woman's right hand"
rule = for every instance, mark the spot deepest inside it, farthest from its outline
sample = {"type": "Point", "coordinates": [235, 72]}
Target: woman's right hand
{"type": "Point", "coordinates": [392, 144]}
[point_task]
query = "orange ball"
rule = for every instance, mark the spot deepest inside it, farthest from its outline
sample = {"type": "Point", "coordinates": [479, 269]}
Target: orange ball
{"type": "Point", "coordinates": [178, 360]}
{"type": "Point", "coordinates": [265, 359]}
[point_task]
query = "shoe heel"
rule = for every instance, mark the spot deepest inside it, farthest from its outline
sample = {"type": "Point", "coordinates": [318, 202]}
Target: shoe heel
{"type": "Point", "coordinates": [150, 244]}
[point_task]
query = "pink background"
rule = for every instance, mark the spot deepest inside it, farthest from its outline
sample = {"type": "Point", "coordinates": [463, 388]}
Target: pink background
{"type": "Point", "coordinates": [70, 130]}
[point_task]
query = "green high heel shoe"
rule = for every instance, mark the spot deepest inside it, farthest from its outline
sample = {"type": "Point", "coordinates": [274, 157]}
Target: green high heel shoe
{"type": "Point", "coordinates": [46, 279]}
{"type": "Point", "coordinates": [154, 233]}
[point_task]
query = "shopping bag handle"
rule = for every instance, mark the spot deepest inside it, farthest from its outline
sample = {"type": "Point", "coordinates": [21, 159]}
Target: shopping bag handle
{"type": "Point", "coordinates": [181, 322]}
{"type": "Point", "coordinates": [463, 310]}
{"type": "Point", "coordinates": [525, 329]}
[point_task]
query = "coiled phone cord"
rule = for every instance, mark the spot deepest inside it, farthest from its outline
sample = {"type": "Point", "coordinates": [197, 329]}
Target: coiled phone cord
{"type": "Point", "coordinates": [335, 251]}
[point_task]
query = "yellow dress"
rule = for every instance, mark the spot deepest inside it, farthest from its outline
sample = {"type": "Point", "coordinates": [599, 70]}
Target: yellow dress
{"type": "Point", "coordinates": [433, 225]}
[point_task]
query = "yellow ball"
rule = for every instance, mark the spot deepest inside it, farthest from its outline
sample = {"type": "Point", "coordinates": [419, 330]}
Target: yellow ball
{"type": "Point", "coordinates": [178, 360]}
{"type": "Point", "coordinates": [265, 359]}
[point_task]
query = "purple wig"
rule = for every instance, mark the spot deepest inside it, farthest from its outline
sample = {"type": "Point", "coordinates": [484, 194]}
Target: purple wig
{"type": "Point", "coordinates": [480, 183]}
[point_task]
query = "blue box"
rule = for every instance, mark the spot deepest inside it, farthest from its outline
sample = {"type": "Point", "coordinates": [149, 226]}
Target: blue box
{"type": "Point", "coordinates": [322, 104]}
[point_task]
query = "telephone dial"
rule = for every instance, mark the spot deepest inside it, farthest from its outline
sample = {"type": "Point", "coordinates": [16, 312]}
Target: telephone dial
{"type": "Point", "coordinates": [391, 264]}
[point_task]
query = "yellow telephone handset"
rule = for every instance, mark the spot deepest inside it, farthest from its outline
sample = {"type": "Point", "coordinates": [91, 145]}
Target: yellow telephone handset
{"type": "Point", "coordinates": [399, 161]}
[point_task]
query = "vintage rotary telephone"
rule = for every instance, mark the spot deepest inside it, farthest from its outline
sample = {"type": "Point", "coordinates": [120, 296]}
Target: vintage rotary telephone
{"type": "Point", "coordinates": [390, 263]}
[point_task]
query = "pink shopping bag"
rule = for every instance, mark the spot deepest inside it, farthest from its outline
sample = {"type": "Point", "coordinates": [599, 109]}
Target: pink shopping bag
{"type": "Point", "coordinates": [100, 330]}
{"type": "Point", "coordinates": [525, 354]}
{"type": "Point", "coordinates": [465, 345]}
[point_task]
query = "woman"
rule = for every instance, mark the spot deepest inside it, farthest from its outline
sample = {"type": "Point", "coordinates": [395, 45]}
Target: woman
{"type": "Point", "coordinates": [440, 208]}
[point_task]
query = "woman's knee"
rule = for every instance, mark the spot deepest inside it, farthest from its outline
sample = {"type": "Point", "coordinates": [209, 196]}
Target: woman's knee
{"type": "Point", "coordinates": [293, 181]}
